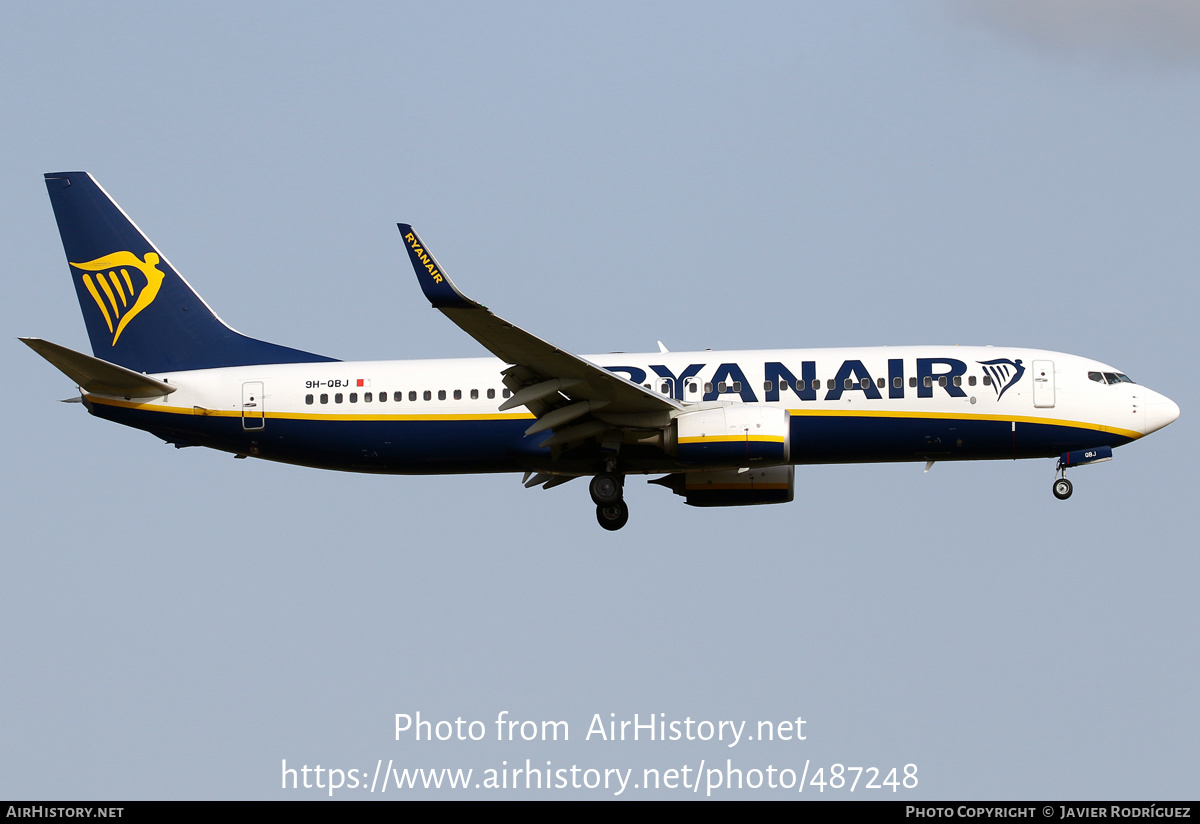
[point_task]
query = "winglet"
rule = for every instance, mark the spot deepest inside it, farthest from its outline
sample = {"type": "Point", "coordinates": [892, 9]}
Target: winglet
{"type": "Point", "coordinates": [440, 290]}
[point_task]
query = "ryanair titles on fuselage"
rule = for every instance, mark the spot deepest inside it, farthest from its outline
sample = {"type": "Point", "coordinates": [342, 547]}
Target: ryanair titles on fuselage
{"type": "Point", "coordinates": [926, 375]}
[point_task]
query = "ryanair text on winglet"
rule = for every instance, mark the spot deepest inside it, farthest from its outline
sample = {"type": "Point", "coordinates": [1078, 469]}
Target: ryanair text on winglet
{"type": "Point", "coordinates": [420, 253]}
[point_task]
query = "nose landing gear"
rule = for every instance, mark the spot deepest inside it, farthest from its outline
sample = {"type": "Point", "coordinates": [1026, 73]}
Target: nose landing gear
{"type": "Point", "coordinates": [1062, 487]}
{"type": "Point", "coordinates": [1078, 457]}
{"type": "Point", "coordinates": [607, 491]}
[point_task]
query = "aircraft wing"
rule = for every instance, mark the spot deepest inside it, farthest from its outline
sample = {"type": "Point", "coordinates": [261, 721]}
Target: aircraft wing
{"type": "Point", "coordinates": [541, 373]}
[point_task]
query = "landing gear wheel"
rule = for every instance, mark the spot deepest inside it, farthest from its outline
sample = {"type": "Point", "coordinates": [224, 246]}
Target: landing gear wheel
{"type": "Point", "coordinates": [606, 489]}
{"type": "Point", "coordinates": [612, 516]}
{"type": "Point", "coordinates": [1062, 489]}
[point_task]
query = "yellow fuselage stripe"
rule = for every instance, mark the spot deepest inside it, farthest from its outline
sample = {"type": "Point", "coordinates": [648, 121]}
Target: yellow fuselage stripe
{"type": "Point", "coordinates": [733, 439]}
{"type": "Point", "coordinates": [304, 416]}
{"type": "Point", "coordinates": [513, 416]}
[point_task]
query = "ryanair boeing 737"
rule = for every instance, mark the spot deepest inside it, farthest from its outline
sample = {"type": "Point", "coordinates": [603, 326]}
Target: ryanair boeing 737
{"type": "Point", "coordinates": [722, 428]}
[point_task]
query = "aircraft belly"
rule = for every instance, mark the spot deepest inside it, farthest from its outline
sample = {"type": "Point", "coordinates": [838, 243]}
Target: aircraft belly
{"type": "Point", "coordinates": [820, 439]}
{"type": "Point", "coordinates": [399, 446]}
{"type": "Point", "coordinates": [388, 446]}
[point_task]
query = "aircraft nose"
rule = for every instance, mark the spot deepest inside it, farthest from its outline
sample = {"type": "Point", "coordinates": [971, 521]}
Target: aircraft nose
{"type": "Point", "coordinates": [1160, 411]}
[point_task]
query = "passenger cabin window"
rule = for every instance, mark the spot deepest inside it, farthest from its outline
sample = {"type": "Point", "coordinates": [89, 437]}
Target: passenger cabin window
{"type": "Point", "coordinates": [367, 397]}
{"type": "Point", "coordinates": [507, 393]}
{"type": "Point", "coordinates": [881, 383]}
{"type": "Point", "coordinates": [847, 383]}
{"type": "Point", "coordinates": [928, 382]}
{"type": "Point", "coordinates": [308, 399]}
{"type": "Point", "coordinates": [912, 383]}
{"type": "Point", "coordinates": [324, 398]}
{"type": "Point", "coordinates": [458, 394]}
{"type": "Point", "coordinates": [971, 381]}
{"type": "Point", "coordinates": [865, 383]}
{"type": "Point", "coordinates": [769, 385]}
{"type": "Point", "coordinates": [722, 387]}
{"type": "Point", "coordinates": [337, 398]}
{"type": "Point", "coordinates": [898, 382]}
{"type": "Point", "coordinates": [957, 380]}
{"type": "Point", "coordinates": [491, 394]}
{"type": "Point", "coordinates": [987, 380]}
{"type": "Point", "coordinates": [353, 397]}
{"type": "Point", "coordinates": [427, 395]}
{"type": "Point", "coordinates": [829, 383]}
{"type": "Point", "coordinates": [412, 396]}
{"type": "Point", "coordinates": [474, 394]}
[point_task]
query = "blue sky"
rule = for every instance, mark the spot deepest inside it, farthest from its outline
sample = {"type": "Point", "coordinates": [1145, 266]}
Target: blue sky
{"type": "Point", "coordinates": [175, 624]}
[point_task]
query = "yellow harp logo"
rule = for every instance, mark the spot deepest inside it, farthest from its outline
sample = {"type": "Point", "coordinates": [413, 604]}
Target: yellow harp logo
{"type": "Point", "coordinates": [118, 294]}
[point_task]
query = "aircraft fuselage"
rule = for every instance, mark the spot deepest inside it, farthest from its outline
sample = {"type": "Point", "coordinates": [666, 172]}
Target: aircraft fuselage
{"type": "Point", "coordinates": [845, 406]}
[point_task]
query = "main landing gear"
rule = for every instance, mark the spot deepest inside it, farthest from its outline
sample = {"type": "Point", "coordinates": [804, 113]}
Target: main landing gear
{"type": "Point", "coordinates": [607, 490]}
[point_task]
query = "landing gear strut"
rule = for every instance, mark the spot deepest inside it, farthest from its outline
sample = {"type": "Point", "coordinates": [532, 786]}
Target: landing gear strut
{"type": "Point", "coordinates": [607, 491]}
{"type": "Point", "coordinates": [1062, 487]}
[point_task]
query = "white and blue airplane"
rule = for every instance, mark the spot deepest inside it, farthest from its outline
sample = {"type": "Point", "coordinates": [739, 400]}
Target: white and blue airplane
{"type": "Point", "coordinates": [722, 428]}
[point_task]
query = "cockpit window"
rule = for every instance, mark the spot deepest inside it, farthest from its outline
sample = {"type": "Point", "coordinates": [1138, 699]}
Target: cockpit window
{"type": "Point", "coordinates": [1109, 377]}
{"type": "Point", "coordinates": [1095, 376]}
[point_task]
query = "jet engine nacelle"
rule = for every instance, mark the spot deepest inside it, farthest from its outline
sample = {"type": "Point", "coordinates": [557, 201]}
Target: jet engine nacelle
{"type": "Point", "coordinates": [735, 435]}
{"type": "Point", "coordinates": [764, 485]}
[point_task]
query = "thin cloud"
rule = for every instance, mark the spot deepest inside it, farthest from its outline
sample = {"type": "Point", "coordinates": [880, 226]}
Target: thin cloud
{"type": "Point", "coordinates": [1158, 30]}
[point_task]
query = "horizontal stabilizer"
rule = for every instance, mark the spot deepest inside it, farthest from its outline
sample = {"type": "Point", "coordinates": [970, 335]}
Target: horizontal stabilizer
{"type": "Point", "coordinates": [98, 377]}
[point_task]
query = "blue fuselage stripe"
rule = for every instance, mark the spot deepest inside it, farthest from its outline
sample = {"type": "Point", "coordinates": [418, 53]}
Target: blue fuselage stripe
{"type": "Point", "coordinates": [461, 446]}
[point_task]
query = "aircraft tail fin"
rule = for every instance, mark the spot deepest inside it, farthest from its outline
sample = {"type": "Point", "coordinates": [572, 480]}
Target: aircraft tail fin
{"type": "Point", "coordinates": [140, 313]}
